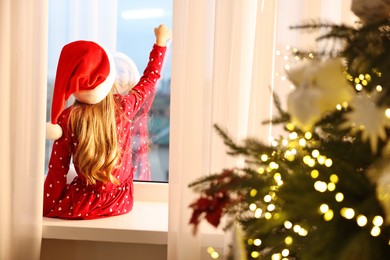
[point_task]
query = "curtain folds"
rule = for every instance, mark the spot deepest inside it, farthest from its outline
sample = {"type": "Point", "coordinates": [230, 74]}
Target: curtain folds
{"type": "Point", "coordinates": [23, 52]}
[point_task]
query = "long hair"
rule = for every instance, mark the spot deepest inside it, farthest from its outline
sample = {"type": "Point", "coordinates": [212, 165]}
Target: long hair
{"type": "Point", "coordinates": [97, 152]}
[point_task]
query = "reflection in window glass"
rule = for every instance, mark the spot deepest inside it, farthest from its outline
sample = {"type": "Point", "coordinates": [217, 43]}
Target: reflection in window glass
{"type": "Point", "coordinates": [122, 26]}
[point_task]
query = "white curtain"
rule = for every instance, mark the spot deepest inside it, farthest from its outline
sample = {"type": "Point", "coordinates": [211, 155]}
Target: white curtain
{"type": "Point", "coordinates": [23, 54]}
{"type": "Point", "coordinates": [227, 57]}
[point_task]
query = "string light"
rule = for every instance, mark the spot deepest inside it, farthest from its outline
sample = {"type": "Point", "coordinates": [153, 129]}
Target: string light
{"type": "Point", "coordinates": [377, 221]}
{"type": "Point", "coordinates": [375, 231]}
{"type": "Point", "coordinates": [255, 254]}
{"type": "Point", "coordinates": [267, 198]}
{"type": "Point", "coordinates": [267, 215]}
{"type": "Point", "coordinates": [253, 192]}
{"type": "Point", "coordinates": [288, 240]}
{"type": "Point", "coordinates": [320, 186]}
{"type": "Point", "coordinates": [288, 224]}
{"type": "Point", "coordinates": [276, 256]}
{"type": "Point", "coordinates": [214, 254]}
{"type": "Point", "coordinates": [264, 157]}
{"type": "Point", "coordinates": [315, 153]}
{"type": "Point", "coordinates": [331, 186]}
{"type": "Point", "coordinates": [314, 174]}
{"type": "Point", "coordinates": [334, 178]}
{"type": "Point", "coordinates": [258, 212]}
{"type": "Point", "coordinates": [271, 207]}
{"type": "Point", "coordinates": [361, 220]}
{"type": "Point", "coordinates": [328, 216]}
{"type": "Point", "coordinates": [324, 208]}
{"type": "Point", "coordinates": [347, 213]}
{"type": "Point", "coordinates": [257, 242]}
{"type": "Point", "coordinates": [252, 206]}
{"type": "Point", "coordinates": [285, 252]}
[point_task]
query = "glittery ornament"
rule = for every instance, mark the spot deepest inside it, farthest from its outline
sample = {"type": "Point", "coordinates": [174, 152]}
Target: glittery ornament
{"type": "Point", "coordinates": [320, 86]}
{"type": "Point", "coordinates": [368, 119]}
{"type": "Point", "coordinates": [371, 11]}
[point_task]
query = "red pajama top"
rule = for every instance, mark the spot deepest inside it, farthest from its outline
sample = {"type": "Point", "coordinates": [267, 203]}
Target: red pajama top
{"type": "Point", "coordinates": [77, 200]}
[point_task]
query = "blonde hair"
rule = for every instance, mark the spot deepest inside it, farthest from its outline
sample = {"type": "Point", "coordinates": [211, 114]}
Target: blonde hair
{"type": "Point", "coordinates": [97, 152]}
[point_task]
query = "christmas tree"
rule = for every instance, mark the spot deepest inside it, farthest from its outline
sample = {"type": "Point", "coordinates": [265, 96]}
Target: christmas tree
{"type": "Point", "coordinates": [322, 189]}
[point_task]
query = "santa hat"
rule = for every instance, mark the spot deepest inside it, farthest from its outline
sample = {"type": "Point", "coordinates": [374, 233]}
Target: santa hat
{"type": "Point", "coordinates": [86, 70]}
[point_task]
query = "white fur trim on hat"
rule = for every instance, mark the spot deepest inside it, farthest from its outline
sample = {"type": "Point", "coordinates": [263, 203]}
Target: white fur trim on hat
{"type": "Point", "coordinates": [53, 131]}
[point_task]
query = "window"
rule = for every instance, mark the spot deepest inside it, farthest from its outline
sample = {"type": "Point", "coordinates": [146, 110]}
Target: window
{"type": "Point", "coordinates": [121, 26]}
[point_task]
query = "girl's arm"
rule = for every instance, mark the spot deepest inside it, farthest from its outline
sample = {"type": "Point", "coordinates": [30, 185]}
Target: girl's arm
{"type": "Point", "coordinates": [55, 182]}
{"type": "Point", "coordinates": [152, 73]}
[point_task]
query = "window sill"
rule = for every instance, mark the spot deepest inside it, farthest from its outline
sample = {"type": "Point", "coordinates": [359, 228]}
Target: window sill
{"type": "Point", "coordinates": [147, 223]}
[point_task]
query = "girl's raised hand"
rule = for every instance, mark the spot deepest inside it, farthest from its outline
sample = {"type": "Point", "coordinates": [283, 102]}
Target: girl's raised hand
{"type": "Point", "coordinates": [163, 35]}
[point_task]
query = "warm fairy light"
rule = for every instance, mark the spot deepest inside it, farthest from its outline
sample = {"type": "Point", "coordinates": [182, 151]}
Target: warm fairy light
{"type": "Point", "coordinates": [284, 142]}
{"type": "Point", "coordinates": [285, 252]}
{"type": "Point", "coordinates": [306, 159]}
{"type": "Point", "coordinates": [290, 126]}
{"type": "Point", "coordinates": [328, 162]}
{"type": "Point", "coordinates": [273, 165]}
{"type": "Point", "coordinates": [377, 221]}
{"type": "Point", "coordinates": [258, 212]}
{"type": "Point", "coordinates": [253, 192]}
{"type": "Point", "coordinates": [364, 82]}
{"type": "Point", "coordinates": [328, 216]}
{"type": "Point", "coordinates": [287, 67]}
{"type": "Point", "coordinates": [274, 143]}
{"type": "Point", "coordinates": [324, 208]}
{"type": "Point", "coordinates": [361, 76]}
{"type": "Point", "coordinates": [267, 215]}
{"type": "Point", "coordinates": [339, 197]}
{"type": "Point", "coordinates": [334, 178]}
{"type": "Point", "coordinates": [277, 176]}
{"type": "Point", "coordinates": [331, 186]}
{"type": "Point", "coordinates": [320, 186]}
{"type": "Point", "coordinates": [255, 254]}
{"type": "Point", "coordinates": [387, 112]}
{"type": "Point", "coordinates": [375, 231]}
{"type": "Point", "coordinates": [314, 174]}
{"type": "Point", "coordinates": [271, 207]}
{"type": "Point", "coordinates": [345, 104]}
{"type": "Point", "coordinates": [253, 206]}
{"type": "Point", "coordinates": [302, 142]}
{"type": "Point", "coordinates": [279, 182]}
{"type": "Point", "coordinates": [276, 216]}
{"type": "Point", "coordinates": [303, 232]}
{"type": "Point", "coordinates": [214, 254]}
{"type": "Point", "coordinates": [288, 224]}
{"type": "Point", "coordinates": [264, 157]}
{"type": "Point", "coordinates": [296, 228]}
{"type": "Point", "coordinates": [308, 135]}
{"type": "Point", "coordinates": [276, 256]}
{"type": "Point", "coordinates": [311, 55]}
{"type": "Point", "coordinates": [311, 162]}
{"type": "Point", "coordinates": [294, 151]}
{"type": "Point", "coordinates": [357, 80]}
{"type": "Point", "coordinates": [288, 240]}
{"type": "Point", "coordinates": [257, 242]}
{"type": "Point", "coordinates": [358, 87]}
{"type": "Point", "coordinates": [339, 107]}
{"type": "Point", "coordinates": [267, 198]}
{"type": "Point", "coordinates": [293, 135]}
{"type": "Point", "coordinates": [261, 170]}
{"type": "Point", "coordinates": [315, 153]}
{"type": "Point", "coordinates": [347, 213]}
{"type": "Point", "coordinates": [289, 156]}
{"type": "Point", "coordinates": [250, 241]}
{"type": "Point", "coordinates": [321, 159]}
{"type": "Point", "coordinates": [361, 220]}
{"type": "Point", "coordinates": [379, 88]}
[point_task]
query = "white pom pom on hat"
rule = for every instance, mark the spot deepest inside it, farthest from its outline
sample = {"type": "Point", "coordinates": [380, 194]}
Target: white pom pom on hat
{"type": "Point", "coordinates": [86, 70]}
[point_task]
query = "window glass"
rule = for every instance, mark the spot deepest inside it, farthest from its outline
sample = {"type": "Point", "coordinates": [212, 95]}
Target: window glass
{"type": "Point", "coordinates": [123, 26]}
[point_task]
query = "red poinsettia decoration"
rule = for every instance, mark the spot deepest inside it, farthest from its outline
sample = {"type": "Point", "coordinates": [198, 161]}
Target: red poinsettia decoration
{"type": "Point", "coordinates": [211, 207]}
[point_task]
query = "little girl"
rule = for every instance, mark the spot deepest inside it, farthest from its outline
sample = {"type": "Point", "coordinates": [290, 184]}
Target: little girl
{"type": "Point", "coordinates": [96, 131]}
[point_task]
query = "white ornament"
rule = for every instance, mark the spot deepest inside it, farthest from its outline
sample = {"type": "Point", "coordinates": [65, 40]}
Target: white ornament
{"type": "Point", "coordinates": [370, 11]}
{"type": "Point", "coordinates": [320, 86]}
{"type": "Point", "coordinates": [368, 119]}
{"type": "Point", "coordinates": [238, 248]}
{"type": "Point", "coordinates": [383, 193]}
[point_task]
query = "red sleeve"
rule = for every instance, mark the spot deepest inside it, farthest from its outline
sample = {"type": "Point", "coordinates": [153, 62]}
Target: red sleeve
{"type": "Point", "coordinates": [146, 86]}
{"type": "Point", "coordinates": [55, 182]}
